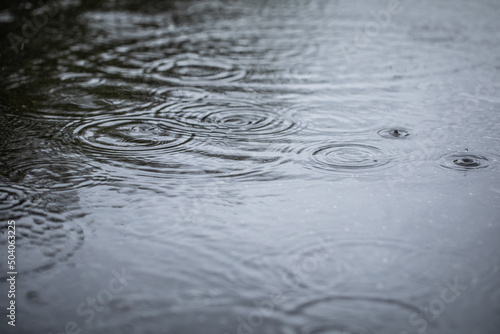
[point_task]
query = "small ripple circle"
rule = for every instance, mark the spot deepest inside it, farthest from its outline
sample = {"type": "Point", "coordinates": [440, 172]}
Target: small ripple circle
{"type": "Point", "coordinates": [394, 133]}
{"type": "Point", "coordinates": [465, 161]}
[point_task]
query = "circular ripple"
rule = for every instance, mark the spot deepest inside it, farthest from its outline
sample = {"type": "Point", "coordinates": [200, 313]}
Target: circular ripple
{"type": "Point", "coordinates": [131, 135]}
{"type": "Point", "coordinates": [346, 259]}
{"type": "Point", "coordinates": [11, 197]}
{"type": "Point", "coordinates": [74, 99]}
{"type": "Point", "coordinates": [234, 119]}
{"type": "Point", "coordinates": [394, 133]}
{"type": "Point", "coordinates": [181, 93]}
{"type": "Point", "coordinates": [191, 69]}
{"type": "Point", "coordinates": [345, 158]}
{"type": "Point", "coordinates": [353, 314]}
{"type": "Point", "coordinates": [45, 230]}
{"type": "Point", "coordinates": [65, 173]}
{"type": "Point", "coordinates": [465, 161]}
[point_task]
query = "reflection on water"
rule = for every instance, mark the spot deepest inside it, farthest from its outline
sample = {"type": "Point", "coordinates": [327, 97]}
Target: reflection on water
{"type": "Point", "coordinates": [249, 174]}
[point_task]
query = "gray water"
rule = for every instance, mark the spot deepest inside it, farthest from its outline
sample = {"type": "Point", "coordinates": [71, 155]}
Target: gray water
{"type": "Point", "coordinates": [254, 167]}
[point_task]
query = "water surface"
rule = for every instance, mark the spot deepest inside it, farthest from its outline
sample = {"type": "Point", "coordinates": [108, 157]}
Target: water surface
{"type": "Point", "coordinates": [254, 167]}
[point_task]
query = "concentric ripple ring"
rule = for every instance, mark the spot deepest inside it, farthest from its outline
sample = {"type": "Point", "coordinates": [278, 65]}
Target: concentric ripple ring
{"type": "Point", "coordinates": [133, 135]}
{"type": "Point", "coordinates": [345, 157]}
{"type": "Point", "coordinates": [464, 161]}
{"type": "Point", "coordinates": [192, 69]}
{"type": "Point", "coordinates": [11, 197]}
{"type": "Point", "coordinates": [394, 133]}
{"type": "Point", "coordinates": [234, 119]}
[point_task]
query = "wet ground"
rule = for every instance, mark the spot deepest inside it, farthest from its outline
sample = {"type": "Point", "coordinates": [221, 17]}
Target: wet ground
{"type": "Point", "coordinates": [252, 167]}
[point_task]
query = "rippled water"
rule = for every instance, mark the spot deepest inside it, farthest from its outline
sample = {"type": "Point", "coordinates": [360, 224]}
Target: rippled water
{"type": "Point", "coordinates": [253, 167]}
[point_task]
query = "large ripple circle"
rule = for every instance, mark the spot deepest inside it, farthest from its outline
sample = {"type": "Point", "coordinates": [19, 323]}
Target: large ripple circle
{"type": "Point", "coordinates": [192, 69]}
{"type": "Point", "coordinates": [234, 119]}
{"type": "Point", "coordinates": [344, 157]}
{"type": "Point", "coordinates": [131, 135]}
{"type": "Point", "coordinates": [352, 314]}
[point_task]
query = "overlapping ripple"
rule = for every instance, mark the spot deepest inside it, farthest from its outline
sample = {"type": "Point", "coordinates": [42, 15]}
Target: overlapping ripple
{"type": "Point", "coordinates": [140, 135]}
{"type": "Point", "coordinates": [45, 231]}
{"type": "Point", "coordinates": [87, 97]}
{"type": "Point", "coordinates": [170, 96]}
{"type": "Point", "coordinates": [190, 69]}
{"type": "Point", "coordinates": [11, 197]}
{"type": "Point", "coordinates": [59, 175]}
{"type": "Point", "coordinates": [234, 119]}
{"type": "Point", "coordinates": [180, 93]}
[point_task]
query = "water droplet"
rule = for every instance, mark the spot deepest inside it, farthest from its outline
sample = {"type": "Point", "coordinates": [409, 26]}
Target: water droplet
{"type": "Point", "coordinates": [394, 133]}
{"type": "Point", "coordinates": [464, 161]}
